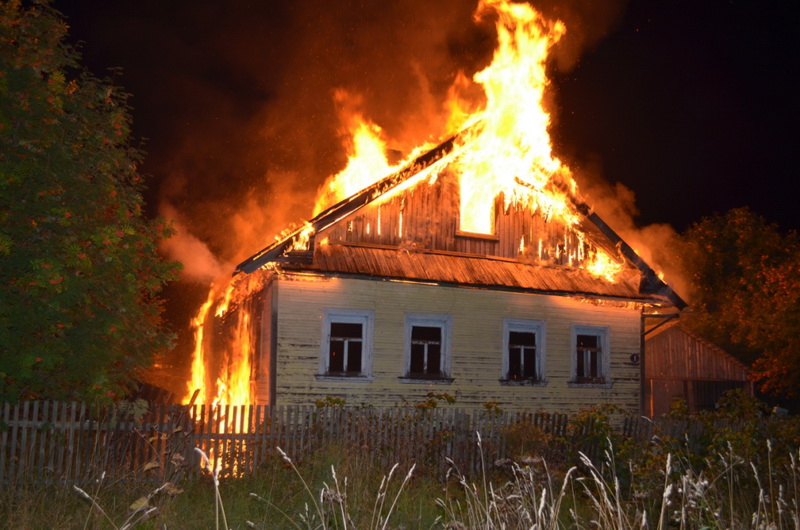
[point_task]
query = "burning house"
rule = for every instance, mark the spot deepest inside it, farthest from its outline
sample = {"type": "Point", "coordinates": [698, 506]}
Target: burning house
{"type": "Point", "coordinates": [472, 268]}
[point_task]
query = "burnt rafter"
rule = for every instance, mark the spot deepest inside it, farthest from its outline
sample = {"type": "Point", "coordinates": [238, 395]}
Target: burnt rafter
{"type": "Point", "coordinates": [650, 282]}
{"type": "Point", "coordinates": [353, 203]}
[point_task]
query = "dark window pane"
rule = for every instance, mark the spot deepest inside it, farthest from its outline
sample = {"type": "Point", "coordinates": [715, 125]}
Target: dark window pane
{"type": "Point", "coordinates": [520, 338]}
{"type": "Point", "coordinates": [426, 333]}
{"type": "Point", "coordinates": [521, 355]}
{"type": "Point", "coordinates": [530, 363]}
{"type": "Point", "coordinates": [514, 363]}
{"type": "Point", "coordinates": [343, 330]}
{"type": "Point", "coordinates": [336, 361]}
{"type": "Point", "coordinates": [589, 361]}
{"type": "Point", "coordinates": [434, 359]}
{"type": "Point", "coordinates": [354, 356]}
{"type": "Point", "coordinates": [587, 341]}
{"type": "Point", "coordinates": [417, 359]}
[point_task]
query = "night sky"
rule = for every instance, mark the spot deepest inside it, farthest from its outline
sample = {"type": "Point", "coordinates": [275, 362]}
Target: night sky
{"type": "Point", "coordinates": [686, 107]}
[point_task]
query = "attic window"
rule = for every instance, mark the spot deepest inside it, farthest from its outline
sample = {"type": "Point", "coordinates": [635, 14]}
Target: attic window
{"type": "Point", "coordinates": [346, 344]}
{"type": "Point", "coordinates": [477, 213]}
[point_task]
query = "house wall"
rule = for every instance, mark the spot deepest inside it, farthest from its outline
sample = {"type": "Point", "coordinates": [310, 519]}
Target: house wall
{"type": "Point", "coordinates": [477, 334]}
{"type": "Point", "coordinates": [264, 360]}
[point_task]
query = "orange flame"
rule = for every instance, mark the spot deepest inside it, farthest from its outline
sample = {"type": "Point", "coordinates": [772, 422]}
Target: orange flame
{"type": "Point", "coordinates": [367, 161]}
{"type": "Point", "coordinates": [511, 151]}
{"type": "Point", "coordinates": [507, 153]}
{"type": "Point", "coordinates": [232, 360]}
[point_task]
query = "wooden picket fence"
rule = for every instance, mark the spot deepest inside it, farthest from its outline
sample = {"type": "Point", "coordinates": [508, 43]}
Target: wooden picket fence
{"type": "Point", "coordinates": [47, 441]}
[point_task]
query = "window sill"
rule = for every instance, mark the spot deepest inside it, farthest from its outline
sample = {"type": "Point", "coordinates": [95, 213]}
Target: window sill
{"type": "Point", "coordinates": [523, 382]}
{"type": "Point", "coordinates": [589, 384]}
{"type": "Point", "coordinates": [427, 381]}
{"type": "Point", "coordinates": [360, 378]}
{"type": "Point", "coordinates": [477, 235]}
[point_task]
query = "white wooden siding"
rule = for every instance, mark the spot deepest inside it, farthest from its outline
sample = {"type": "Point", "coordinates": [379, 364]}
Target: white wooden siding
{"type": "Point", "coordinates": [476, 351]}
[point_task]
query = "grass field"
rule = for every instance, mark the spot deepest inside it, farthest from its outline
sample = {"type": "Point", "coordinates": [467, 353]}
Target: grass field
{"type": "Point", "coordinates": [743, 478]}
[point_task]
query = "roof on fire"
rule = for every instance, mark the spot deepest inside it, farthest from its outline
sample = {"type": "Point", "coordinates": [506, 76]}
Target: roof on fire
{"type": "Point", "coordinates": [465, 270]}
{"type": "Point", "coordinates": [638, 283]}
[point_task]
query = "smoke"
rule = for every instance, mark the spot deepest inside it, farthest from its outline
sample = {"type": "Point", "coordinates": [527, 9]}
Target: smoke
{"type": "Point", "coordinates": [237, 99]}
{"type": "Point", "coordinates": [247, 127]}
{"type": "Point", "coordinates": [199, 263]}
{"type": "Point", "coordinates": [587, 23]}
{"type": "Point", "coordinates": [616, 205]}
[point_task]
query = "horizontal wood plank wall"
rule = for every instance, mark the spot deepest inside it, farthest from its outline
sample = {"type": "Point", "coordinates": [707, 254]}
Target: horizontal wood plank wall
{"type": "Point", "coordinates": [427, 216]}
{"type": "Point", "coordinates": [477, 320]}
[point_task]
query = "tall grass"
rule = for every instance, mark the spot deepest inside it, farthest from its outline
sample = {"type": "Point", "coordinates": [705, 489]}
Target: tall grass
{"type": "Point", "coordinates": [725, 492]}
{"type": "Point", "coordinates": [743, 477]}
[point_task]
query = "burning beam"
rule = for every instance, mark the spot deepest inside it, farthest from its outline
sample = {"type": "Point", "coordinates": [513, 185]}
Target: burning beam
{"type": "Point", "coordinates": [356, 202]}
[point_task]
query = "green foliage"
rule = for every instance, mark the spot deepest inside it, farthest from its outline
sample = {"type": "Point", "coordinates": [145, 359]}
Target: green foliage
{"type": "Point", "coordinates": [432, 400]}
{"type": "Point", "coordinates": [745, 277]}
{"type": "Point", "coordinates": [330, 401]}
{"type": "Point", "coordinates": [591, 430]}
{"type": "Point", "coordinates": [79, 272]}
{"type": "Point", "coordinates": [526, 440]}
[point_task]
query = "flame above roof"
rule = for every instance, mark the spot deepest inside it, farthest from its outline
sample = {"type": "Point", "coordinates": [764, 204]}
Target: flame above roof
{"type": "Point", "coordinates": [640, 282]}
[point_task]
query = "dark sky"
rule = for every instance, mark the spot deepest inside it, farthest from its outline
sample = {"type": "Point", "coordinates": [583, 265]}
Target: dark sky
{"type": "Point", "coordinates": [690, 105]}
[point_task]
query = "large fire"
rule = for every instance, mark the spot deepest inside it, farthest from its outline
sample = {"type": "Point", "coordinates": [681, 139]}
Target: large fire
{"type": "Point", "coordinates": [506, 151]}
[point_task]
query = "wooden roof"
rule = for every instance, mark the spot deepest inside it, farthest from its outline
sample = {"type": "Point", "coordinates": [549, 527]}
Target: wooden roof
{"type": "Point", "coordinates": [465, 270]}
{"type": "Point", "coordinates": [413, 235]}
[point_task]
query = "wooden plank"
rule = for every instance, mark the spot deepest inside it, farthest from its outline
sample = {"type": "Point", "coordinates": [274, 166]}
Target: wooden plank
{"type": "Point", "coordinates": [53, 435]}
{"type": "Point", "coordinates": [231, 443]}
{"type": "Point", "coordinates": [249, 424]}
{"type": "Point", "coordinates": [35, 444]}
{"type": "Point", "coordinates": [227, 426]}
{"type": "Point", "coordinates": [12, 446]}
{"type": "Point", "coordinates": [21, 453]}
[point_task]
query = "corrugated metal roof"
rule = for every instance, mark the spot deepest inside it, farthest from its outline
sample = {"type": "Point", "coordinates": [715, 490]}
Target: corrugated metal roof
{"type": "Point", "coordinates": [439, 267]}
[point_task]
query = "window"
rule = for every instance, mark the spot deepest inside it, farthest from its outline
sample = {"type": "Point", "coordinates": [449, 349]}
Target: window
{"type": "Point", "coordinates": [427, 347]}
{"type": "Point", "coordinates": [591, 355]}
{"type": "Point", "coordinates": [346, 343]}
{"type": "Point", "coordinates": [523, 351]}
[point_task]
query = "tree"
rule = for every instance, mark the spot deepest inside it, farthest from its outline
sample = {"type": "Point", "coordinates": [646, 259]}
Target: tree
{"type": "Point", "coordinates": [745, 275]}
{"type": "Point", "coordinates": [80, 313]}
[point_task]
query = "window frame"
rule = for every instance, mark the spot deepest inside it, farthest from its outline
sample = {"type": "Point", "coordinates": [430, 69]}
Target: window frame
{"type": "Point", "coordinates": [537, 327]}
{"type": "Point", "coordinates": [445, 323]}
{"type": "Point", "coordinates": [603, 335]}
{"type": "Point", "coordinates": [347, 316]}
